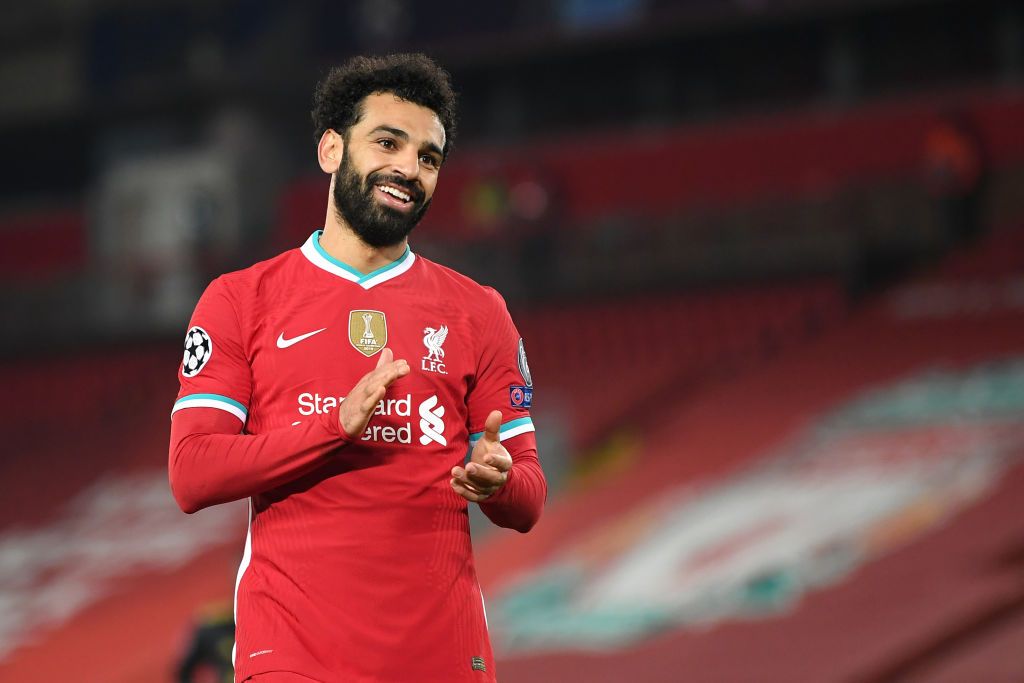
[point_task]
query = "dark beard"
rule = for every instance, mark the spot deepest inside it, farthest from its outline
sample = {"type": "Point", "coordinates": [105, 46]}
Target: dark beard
{"type": "Point", "coordinates": [375, 224]}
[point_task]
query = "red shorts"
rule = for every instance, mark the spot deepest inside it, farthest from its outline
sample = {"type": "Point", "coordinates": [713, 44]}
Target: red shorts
{"type": "Point", "coordinates": [279, 677]}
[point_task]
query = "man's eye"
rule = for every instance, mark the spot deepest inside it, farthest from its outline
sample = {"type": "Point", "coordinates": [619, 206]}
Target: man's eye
{"type": "Point", "coordinates": [386, 144]}
{"type": "Point", "coordinates": [429, 160]}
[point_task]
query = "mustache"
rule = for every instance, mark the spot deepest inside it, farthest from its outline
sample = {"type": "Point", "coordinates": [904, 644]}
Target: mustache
{"type": "Point", "coordinates": [412, 188]}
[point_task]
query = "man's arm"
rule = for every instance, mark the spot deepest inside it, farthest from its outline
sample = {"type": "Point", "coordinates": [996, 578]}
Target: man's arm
{"type": "Point", "coordinates": [518, 504]}
{"type": "Point", "coordinates": [209, 462]}
{"type": "Point", "coordinates": [509, 489]}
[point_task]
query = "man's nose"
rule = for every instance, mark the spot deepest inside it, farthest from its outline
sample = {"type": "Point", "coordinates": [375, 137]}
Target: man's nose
{"type": "Point", "coordinates": [406, 164]}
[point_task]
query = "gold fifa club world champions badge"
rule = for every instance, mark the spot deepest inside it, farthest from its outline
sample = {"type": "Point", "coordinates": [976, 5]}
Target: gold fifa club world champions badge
{"type": "Point", "coordinates": [368, 331]}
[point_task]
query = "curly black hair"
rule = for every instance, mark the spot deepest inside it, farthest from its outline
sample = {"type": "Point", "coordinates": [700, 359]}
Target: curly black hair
{"type": "Point", "coordinates": [416, 78]}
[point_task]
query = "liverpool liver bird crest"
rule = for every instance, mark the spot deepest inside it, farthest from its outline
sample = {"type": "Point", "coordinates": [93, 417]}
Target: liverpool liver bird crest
{"type": "Point", "coordinates": [433, 339]}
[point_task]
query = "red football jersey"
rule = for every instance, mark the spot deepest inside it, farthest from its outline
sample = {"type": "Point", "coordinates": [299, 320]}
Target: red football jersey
{"type": "Point", "coordinates": [358, 563]}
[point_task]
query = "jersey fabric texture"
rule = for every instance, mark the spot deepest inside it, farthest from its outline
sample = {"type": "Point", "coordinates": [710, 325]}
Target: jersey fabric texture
{"type": "Point", "coordinates": [358, 563]}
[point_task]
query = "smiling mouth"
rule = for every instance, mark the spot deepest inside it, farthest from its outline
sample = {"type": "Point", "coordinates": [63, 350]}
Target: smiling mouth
{"type": "Point", "coordinates": [395, 193]}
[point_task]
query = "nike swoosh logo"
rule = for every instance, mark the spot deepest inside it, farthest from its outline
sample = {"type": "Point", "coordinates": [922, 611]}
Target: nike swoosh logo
{"type": "Point", "coordinates": [283, 343]}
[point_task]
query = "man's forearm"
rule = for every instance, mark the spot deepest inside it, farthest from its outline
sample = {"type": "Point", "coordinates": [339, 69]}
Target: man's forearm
{"type": "Point", "coordinates": [520, 501]}
{"type": "Point", "coordinates": [209, 465]}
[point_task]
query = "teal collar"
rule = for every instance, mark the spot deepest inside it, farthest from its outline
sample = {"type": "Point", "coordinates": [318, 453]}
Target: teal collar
{"type": "Point", "coordinates": [321, 259]}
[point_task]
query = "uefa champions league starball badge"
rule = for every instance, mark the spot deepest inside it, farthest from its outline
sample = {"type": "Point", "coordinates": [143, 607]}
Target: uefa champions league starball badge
{"type": "Point", "coordinates": [198, 349]}
{"type": "Point", "coordinates": [524, 367]}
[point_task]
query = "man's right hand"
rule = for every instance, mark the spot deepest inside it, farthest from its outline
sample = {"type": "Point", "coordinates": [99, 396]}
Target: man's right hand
{"type": "Point", "coordinates": [357, 408]}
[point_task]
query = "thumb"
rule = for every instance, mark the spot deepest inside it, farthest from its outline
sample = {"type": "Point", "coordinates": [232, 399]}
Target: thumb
{"type": "Point", "coordinates": [492, 426]}
{"type": "Point", "coordinates": [386, 356]}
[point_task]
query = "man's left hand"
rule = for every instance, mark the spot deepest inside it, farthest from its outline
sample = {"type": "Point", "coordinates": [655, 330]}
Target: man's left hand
{"type": "Point", "coordinates": [488, 466]}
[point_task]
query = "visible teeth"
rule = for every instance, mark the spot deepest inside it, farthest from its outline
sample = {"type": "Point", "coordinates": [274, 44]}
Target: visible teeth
{"type": "Point", "coordinates": [394, 192]}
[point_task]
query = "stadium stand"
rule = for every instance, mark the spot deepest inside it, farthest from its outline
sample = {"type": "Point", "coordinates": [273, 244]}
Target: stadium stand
{"type": "Point", "coordinates": [661, 344]}
{"type": "Point", "coordinates": [731, 163]}
{"type": "Point", "coordinates": [942, 596]}
{"type": "Point", "coordinates": [66, 243]}
{"type": "Point", "coordinates": [56, 416]}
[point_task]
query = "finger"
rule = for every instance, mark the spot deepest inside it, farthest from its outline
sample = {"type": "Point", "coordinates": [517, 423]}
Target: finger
{"type": "Point", "coordinates": [461, 486]}
{"type": "Point", "coordinates": [499, 460]}
{"type": "Point", "coordinates": [401, 367]}
{"type": "Point", "coordinates": [462, 477]}
{"type": "Point", "coordinates": [484, 478]}
{"type": "Point", "coordinates": [464, 492]}
{"type": "Point", "coordinates": [492, 427]}
{"type": "Point", "coordinates": [389, 373]}
{"type": "Point", "coordinates": [460, 473]}
{"type": "Point", "coordinates": [374, 385]}
{"type": "Point", "coordinates": [386, 356]}
{"type": "Point", "coordinates": [373, 397]}
{"type": "Point", "coordinates": [468, 493]}
{"type": "Point", "coordinates": [380, 377]}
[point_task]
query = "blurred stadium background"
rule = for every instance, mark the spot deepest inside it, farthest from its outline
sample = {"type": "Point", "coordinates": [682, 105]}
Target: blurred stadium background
{"type": "Point", "coordinates": [767, 257]}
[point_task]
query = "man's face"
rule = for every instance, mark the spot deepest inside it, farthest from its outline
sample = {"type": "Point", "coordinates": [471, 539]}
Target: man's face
{"type": "Point", "coordinates": [388, 169]}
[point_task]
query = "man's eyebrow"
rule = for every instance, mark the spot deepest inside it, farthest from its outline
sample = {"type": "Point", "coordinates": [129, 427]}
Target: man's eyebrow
{"type": "Point", "coordinates": [435, 149]}
{"type": "Point", "coordinates": [399, 133]}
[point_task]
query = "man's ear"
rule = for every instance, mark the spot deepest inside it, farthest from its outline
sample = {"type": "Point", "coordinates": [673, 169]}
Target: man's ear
{"type": "Point", "coordinates": [329, 151]}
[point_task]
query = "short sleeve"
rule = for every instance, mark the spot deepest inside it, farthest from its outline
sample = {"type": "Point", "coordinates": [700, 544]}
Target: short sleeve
{"type": "Point", "coordinates": [503, 381]}
{"type": "Point", "coordinates": [214, 372]}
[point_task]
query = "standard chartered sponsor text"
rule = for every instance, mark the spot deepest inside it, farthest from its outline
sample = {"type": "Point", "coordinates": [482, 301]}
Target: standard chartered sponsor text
{"type": "Point", "coordinates": [400, 431]}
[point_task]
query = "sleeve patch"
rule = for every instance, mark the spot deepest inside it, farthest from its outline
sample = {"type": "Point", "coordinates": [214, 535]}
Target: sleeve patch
{"type": "Point", "coordinates": [520, 396]}
{"type": "Point", "coordinates": [198, 349]}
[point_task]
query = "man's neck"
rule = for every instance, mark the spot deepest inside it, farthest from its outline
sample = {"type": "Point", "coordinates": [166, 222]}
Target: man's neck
{"type": "Point", "coordinates": [340, 242]}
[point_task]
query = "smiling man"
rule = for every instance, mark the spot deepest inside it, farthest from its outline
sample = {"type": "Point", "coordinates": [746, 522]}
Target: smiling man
{"type": "Point", "coordinates": [339, 387]}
